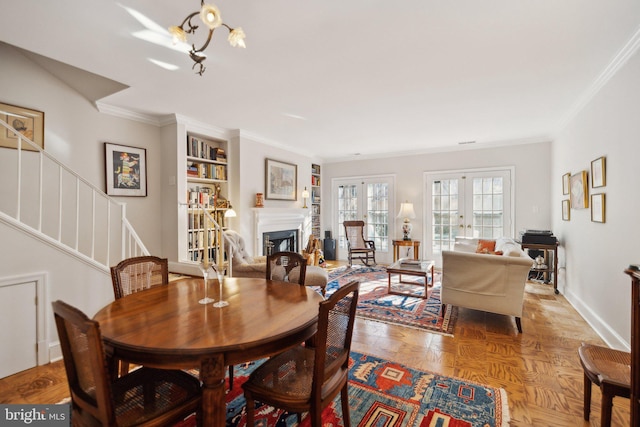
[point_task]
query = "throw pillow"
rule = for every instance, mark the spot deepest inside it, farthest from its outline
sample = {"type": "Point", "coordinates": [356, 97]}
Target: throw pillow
{"type": "Point", "coordinates": [485, 246]}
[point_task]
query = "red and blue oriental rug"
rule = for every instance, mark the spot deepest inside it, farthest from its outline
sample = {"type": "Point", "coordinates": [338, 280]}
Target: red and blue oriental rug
{"type": "Point", "coordinates": [386, 394]}
{"type": "Point", "coordinates": [375, 303]}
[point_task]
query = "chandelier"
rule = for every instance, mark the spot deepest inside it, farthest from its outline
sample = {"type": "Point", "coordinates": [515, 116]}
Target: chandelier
{"type": "Point", "coordinates": [210, 16]}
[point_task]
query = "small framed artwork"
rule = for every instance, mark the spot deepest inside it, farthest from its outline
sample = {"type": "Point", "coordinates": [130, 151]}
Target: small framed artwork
{"type": "Point", "coordinates": [281, 180]}
{"type": "Point", "coordinates": [30, 123]}
{"type": "Point", "coordinates": [598, 173]}
{"type": "Point", "coordinates": [579, 191]}
{"type": "Point", "coordinates": [597, 207]}
{"type": "Point", "coordinates": [565, 183]}
{"type": "Point", "coordinates": [566, 210]}
{"type": "Point", "coordinates": [126, 170]}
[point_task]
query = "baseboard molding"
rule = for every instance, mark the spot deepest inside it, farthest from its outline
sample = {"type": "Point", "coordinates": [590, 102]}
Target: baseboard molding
{"type": "Point", "coordinates": [599, 326]}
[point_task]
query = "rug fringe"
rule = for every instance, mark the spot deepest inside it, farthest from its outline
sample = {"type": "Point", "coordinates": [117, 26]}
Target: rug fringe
{"type": "Point", "coordinates": [506, 416]}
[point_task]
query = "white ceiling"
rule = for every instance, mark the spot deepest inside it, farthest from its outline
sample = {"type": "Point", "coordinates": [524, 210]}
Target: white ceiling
{"type": "Point", "coordinates": [333, 78]}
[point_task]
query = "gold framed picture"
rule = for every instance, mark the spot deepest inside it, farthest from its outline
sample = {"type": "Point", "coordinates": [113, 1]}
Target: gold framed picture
{"type": "Point", "coordinates": [579, 191]}
{"type": "Point", "coordinates": [565, 183]}
{"type": "Point", "coordinates": [29, 123]}
{"type": "Point", "coordinates": [598, 207]}
{"type": "Point", "coordinates": [598, 173]}
{"type": "Point", "coordinates": [566, 210]}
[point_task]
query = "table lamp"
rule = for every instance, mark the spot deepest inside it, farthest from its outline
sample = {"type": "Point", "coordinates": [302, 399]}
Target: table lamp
{"type": "Point", "coordinates": [406, 212]}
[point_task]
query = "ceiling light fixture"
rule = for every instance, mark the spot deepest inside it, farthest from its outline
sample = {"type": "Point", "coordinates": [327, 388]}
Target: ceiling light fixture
{"type": "Point", "coordinates": [210, 16]}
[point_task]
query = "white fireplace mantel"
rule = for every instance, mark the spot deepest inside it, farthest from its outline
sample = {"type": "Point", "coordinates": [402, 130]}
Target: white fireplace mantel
{"type": "Point", "coordinates": [278, 219]}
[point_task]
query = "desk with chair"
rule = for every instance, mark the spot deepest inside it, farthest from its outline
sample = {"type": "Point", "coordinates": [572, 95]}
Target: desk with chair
{"type": "Point", "coordinates": [166, 327]}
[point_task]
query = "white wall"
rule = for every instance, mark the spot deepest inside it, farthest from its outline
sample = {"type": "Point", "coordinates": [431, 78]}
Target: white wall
{"type": "Point", "coordinates": [594, 254]}
{"type": "Point", "coordinates": [249, 179]}
{"type": "Point", "coordinates": [75, 133]}
{"type": "Point", "coordinates": [532, 169]}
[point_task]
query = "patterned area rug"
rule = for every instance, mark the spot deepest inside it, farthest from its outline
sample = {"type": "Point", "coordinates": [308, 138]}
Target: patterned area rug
{"type": "Point", "coordinates": [375, 303]}
{"type": "Point", "coordinates": [386, 394]}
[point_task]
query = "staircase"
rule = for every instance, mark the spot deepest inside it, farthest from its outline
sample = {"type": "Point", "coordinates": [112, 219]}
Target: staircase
{"type": "Point", "coordinates": [44, 198]}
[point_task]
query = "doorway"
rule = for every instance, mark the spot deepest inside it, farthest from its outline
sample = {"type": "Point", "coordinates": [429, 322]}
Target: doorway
{"type": "Point", "coordinates": [369, 199]}
{"type": "Point", "coordinates": [474, 203]}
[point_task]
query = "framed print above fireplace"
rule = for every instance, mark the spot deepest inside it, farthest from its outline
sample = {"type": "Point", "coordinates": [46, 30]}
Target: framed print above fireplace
{"type": "Point", "coordinates": [281, 180]}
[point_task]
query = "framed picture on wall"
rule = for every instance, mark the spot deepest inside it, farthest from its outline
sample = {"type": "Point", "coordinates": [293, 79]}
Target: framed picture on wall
{"type": "Point", "coordinates": [597, 207]}
{"type": "Point", "coordinates": [126, 170]}
{"type": "Point", "coordinates": [579, 191]}
{"type": "Point", "coordinates": [565, 183]}
{"type": "Point", "coordinates": [281, 180]}
{"type": "Point", "coordinates": [566, 210]}
{"type": "Point", "coordinates": [598, 173]}
{"type": "Point", "coordinates": [29, 123]}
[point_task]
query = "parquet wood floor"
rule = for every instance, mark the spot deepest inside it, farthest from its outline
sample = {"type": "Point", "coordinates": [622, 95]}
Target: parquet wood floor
{"type": "Point", "coordinates": [539, 368]}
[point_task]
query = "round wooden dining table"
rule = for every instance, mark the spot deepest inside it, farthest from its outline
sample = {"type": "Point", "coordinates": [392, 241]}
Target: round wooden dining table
{"type": "Point", "coordinates": [166, 327]}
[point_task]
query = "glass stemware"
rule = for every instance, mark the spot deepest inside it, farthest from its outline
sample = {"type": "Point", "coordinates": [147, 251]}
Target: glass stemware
{"type": "Point", "coordinates": [204, 268]}
{"type": "Point", "coordinates": [220, 274]}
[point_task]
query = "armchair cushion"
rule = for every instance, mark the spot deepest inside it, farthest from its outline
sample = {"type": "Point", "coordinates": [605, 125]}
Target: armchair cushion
{"type": "Point", "coordinates": [243, 264]}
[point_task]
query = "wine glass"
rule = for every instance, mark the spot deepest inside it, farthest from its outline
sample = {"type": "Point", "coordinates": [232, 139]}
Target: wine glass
{"type": "Point", "coordinates": [204, 268]}
{"type": "Point", "coordinates": [220, 274]}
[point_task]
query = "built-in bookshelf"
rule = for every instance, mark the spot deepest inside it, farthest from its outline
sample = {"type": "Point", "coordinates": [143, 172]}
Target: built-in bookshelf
{"type": "Point", "coordinates": [315, 200]}
{"type": "Point", "coordinates": [207, 190]}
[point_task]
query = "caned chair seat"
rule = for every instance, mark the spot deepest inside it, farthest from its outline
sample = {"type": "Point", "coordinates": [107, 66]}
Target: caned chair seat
{"type": "Point", "coordinates": [609, 369]}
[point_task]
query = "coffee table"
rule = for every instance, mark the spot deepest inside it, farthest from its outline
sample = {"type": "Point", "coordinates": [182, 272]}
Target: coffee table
{"type": "Point", "coordinates": [408, 267]}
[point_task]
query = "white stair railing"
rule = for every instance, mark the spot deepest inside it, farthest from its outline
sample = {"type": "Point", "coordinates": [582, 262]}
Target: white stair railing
{"type": "Point", "coordinates": [41, 196]}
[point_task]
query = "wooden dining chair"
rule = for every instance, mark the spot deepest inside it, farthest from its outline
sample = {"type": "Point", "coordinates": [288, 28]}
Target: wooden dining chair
{"type": "Point", "coordinates": [305, 378]}
{"type": "Point", "coordinates": [144, 397]}
{"type": "Point", "coordinates": [284, 267]}
{"type": "Point", "coordinates": [138, 273]}
{"type": "Point", "coordinates": [358, 247]}
{"type": "Point", "coordinates": [609, 369]}
{"type": "Point", "coordinates": [287, 267]}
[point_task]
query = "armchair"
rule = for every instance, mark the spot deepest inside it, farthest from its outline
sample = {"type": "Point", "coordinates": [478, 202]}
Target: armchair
{"type": "Point", "coordinates": [243, 264]}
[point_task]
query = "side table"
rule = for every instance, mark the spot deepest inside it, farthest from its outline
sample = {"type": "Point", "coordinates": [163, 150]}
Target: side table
{"type": "Point", "coordinates": [398, 243]}
{"type": "Point", "coordinates": [551, 271]}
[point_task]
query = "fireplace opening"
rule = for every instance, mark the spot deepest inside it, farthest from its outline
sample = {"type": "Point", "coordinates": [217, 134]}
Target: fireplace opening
{"type": "Point", "coordinates": [279, 241]}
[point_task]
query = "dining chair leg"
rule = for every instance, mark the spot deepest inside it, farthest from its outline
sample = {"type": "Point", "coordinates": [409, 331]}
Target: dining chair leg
{"type": "Point", "coordinates": [587, 397]}
{"type": "Point", "coordinates": [250, 406]}
{"type": "Point", "coordinates": [345, 406]}
{"type": "Point", "coordinates": [607, 405]}
{"type": "Point", "coordinates": [230, 377]}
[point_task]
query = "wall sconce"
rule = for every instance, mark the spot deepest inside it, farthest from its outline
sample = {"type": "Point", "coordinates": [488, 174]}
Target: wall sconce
{"type": "Point", "coordinates": [406, 212]}
{"type": "Point", "coordinates": [305, 196]}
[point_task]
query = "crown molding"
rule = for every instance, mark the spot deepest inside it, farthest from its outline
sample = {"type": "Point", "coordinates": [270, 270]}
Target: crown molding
{"type": "Point", "coordinates": [618, 61]}
{"type": "Point", "coordinates": [127, 114]}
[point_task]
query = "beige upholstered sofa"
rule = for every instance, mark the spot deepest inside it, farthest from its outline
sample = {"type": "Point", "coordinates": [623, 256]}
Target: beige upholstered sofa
{"type": "Point", "coordinates": [487, 282]}
{"type": "Point", "coordinates": [244, 265]}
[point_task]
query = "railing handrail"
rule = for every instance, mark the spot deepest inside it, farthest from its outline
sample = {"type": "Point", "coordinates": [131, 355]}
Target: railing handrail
{"type": "Point", "coordinates": [127, 231]}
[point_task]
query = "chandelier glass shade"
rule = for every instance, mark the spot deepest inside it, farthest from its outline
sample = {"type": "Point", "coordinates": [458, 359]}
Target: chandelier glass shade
{"type": "Point", "coordinates": [211, 17]}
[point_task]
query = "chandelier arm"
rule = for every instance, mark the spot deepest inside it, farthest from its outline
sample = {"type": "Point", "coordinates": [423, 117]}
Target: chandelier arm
{"type": "Point", "coordinates": [192, 28]}
{"type": "Point", "coordinates": [228, 27]}
{"type": "Point", "coordinates": [204, 46]}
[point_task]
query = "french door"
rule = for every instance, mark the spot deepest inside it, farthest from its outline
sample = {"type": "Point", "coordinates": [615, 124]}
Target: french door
{"type": "Point", "coordinates": [474, 203]}
{"type": "Point", "coordinates": [369, 199]}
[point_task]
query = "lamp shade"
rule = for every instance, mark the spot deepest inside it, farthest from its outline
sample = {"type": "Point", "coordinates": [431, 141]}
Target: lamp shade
{"type": "Point", "coordinates": [406, 211]}
{"type": "Point", "coordinates": [305, 193]}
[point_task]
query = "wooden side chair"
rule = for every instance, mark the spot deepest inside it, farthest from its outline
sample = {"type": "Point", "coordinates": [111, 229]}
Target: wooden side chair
{"type": "Point", "coordinates": [287, 267]}
{"type": "Point", "coordinates": [610, 370]}
{"type": "Point", "coordinates": [308, 378]}
{"type": "Point", "coordinates": [358, 246]}
{"type": "Point", "coordinates": [145, 397]}
{"type": "Point", "coordinates": [138, 273]}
